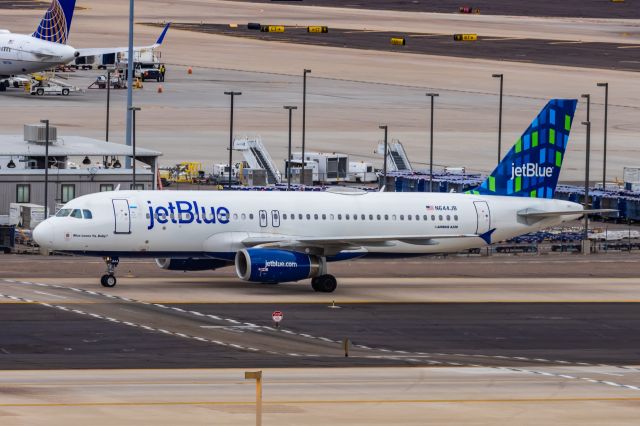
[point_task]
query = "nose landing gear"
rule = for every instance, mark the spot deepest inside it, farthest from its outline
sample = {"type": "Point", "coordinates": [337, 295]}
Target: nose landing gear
{"type": "Point", "coordinates": [109, 279]}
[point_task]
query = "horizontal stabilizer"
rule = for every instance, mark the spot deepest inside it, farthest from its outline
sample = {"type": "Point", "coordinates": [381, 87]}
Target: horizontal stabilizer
{"type": "Point", "coordinates": [532, 213]}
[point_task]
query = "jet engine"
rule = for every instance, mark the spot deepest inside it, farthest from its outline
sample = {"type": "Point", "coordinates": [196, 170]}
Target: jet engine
{"type": "Point", "coordinates": [191, 264]}
{"type": "Point", "coordinates": [274, 266]}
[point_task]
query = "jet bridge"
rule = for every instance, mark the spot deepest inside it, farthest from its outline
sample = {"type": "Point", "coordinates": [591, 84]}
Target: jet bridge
{"type": "Point", "coordinates": [257, 156]}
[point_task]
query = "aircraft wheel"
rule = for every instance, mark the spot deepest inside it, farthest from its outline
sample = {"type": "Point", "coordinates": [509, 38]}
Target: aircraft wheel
{"type": "Point", "coordinates": [108, 280]}
{"type": "Point", "coordinates": [324, 283]}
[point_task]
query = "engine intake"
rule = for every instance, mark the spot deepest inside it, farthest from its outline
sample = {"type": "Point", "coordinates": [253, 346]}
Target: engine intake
{"type": "Point", "coordinates": [273, 266]}
{"type": "Point", "coordinates": [191, 264]}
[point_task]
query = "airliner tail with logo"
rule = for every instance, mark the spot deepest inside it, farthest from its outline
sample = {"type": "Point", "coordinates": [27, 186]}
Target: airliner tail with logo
{"type": "Point", "coordinates": [272, 237]}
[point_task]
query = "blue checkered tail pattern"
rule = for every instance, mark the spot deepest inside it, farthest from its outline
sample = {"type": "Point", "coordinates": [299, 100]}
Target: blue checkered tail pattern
{"type": "Point", "coordinates": [56, 22]}
{"type": "Point", "coordinates": [532, 166]}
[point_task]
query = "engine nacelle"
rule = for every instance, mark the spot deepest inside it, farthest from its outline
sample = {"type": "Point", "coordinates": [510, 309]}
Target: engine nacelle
{"type": "Point", "coordinates": [191, 264]}
{"type": "Point", "coordinates": [274, 266]}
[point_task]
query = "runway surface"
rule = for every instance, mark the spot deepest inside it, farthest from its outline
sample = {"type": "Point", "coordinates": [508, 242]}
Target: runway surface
{"type": "Point", "coordinates": [459, 339]}
{"type": "Point", "coordinates": [353, 396]}
{"type": "Point", "coordinates": [551, 52]}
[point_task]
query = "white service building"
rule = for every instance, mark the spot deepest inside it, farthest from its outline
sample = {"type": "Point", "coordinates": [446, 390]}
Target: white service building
{"type": "Point", "coordinates": [77, 166]}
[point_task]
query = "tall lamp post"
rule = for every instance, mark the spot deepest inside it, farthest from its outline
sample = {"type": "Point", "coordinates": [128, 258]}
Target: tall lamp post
{"type": "Point", "coordinates": [586, 179]}
{"type": "Point", "coordinates": [133, 146]}
{"type": "Point", "coordinates": [431, 95]}
{"type": "Point", "coordinates": [304, 115]}
{"type": "Point", "coordinates": [501, 77]}
{"type": "Point", "coordinates": [233, 95]}
{"type": "Point", "coordinates": [290, 108]}
{"type": "Point", "coordinates": [46, 168]}
{"type": "Point", "coordinates": [130, 59]}
{"type": "Point", "coordinates": [384, 167]}
{"type": "Point", "coordinates": [587, 96]}
{"type": "Point", "coordinates": [106, 136]}
{"type": "Point", "coordinates": [604, 150]}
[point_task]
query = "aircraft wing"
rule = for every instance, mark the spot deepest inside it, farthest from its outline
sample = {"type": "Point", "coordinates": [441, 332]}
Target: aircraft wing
{"type": "Point", "coordinates": [336, 244]}
{"type": "Point", "coordinates": [91, 51]}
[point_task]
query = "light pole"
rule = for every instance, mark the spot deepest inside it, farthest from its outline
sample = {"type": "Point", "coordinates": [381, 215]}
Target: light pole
{"type": "Point", "coordinates": [290, 108]}
{"type": "Point", "coordinates": [501, 77]}
{"type": "Point", "coordinates": [587, 96]}
{"type": "Point", "coordinates": [586, 179]}
{"type": "Point", "coordinates": [133, 146]}
{"type": "Point", "coordinates": [384, 167]}
{"type": "Point", "coordinates": [46, 168]}
{"type": "Point", "coordinates": [431, 95]}
{"type": "Point", "coordinates": [106, 137]}
{"type": "Point", "coordinates": [233, 95]}
{"type": "Point", "coordinates": [130, 60]}
{"type": "Point", "coordinates": [604, 150]}
{"type": "Point", "coordinates": [304, 116]}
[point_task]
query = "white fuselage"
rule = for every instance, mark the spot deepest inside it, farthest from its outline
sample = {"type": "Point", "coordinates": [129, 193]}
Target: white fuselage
{"type": "Point", "coordinates": [24, 54]}
{"type": "Point", "coordinates": [215, 223]}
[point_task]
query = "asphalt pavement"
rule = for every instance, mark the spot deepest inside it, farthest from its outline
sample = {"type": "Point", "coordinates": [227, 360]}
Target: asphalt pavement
{"type": "Point", "coordinates": [611, 56]}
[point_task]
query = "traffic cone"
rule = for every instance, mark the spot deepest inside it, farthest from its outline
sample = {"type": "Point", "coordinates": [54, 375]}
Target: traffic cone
{"type": "Point", "coordinates": [189, 70]}
{"type": "Point", "coordinates": [160, 89]}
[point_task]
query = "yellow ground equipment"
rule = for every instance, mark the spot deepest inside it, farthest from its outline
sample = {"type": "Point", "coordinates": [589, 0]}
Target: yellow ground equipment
{"type": "Point", "coordinates": [188, 172]}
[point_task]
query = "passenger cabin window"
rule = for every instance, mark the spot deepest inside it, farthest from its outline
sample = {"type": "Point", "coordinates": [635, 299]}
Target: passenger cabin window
{"type": "Point", "coordinates": [87, 214]}
{"type": "Point", "coordinates": [77, 213]}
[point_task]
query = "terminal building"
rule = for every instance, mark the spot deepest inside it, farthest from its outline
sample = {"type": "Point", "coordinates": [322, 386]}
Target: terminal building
{"type": "Point", "coordinates": [77, 166]}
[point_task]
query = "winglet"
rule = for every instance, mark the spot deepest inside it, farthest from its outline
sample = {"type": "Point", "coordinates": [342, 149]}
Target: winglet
{"type": "Point", "coordinates": [487, 236]}
{"type": "Point", "coordinates": [164, 32]}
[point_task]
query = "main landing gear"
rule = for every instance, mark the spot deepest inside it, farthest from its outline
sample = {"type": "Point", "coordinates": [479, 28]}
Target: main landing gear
{"type": "Point", "coordinates": [324, 283]}
{"type": "Point", "coordinates": [109, 279]}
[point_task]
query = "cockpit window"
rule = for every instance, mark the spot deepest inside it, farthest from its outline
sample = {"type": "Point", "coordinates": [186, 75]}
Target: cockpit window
{"type": "Point", "coordinates": [87, 214]}
{"type": "Point", "coordinates": [63, 212]}
{"type": "Point", "coordinates": [77, 213]}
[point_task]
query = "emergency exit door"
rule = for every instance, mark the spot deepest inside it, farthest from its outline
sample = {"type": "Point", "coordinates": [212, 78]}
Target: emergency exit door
{"type": "Point", "coordinates": [275, 218]}
{"type": "Point", "coordinates": [122, 216]}
{"type": "Point", "coordinates": [262, 214]}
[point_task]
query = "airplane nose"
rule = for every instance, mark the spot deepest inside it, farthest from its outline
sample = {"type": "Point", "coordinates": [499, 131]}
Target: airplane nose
{"type": "Point", "coordinates": [43, 234]}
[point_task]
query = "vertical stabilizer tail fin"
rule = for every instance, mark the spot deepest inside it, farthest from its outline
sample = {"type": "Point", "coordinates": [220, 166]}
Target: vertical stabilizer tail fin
{"type": "Point", "coordinates": [56, 22]}
{"type": "Point", "coordinates": [532, 167]}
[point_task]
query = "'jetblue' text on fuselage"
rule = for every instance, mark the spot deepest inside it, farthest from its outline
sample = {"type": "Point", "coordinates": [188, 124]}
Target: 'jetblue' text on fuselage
{"type": "Point", "coordinates": [185, 212]}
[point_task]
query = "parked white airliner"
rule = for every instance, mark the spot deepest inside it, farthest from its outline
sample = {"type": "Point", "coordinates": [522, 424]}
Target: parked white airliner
{"type": "Point", "coordinates": [46, 48]}
{"type": "Point", "coordinates": [290, 236]}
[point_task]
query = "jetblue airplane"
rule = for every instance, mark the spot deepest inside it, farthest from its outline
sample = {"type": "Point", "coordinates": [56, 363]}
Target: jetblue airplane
{"type": "Point", "coordinates": [47, 46]}
{"type": "Point", "coordinates": [273, 237]}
